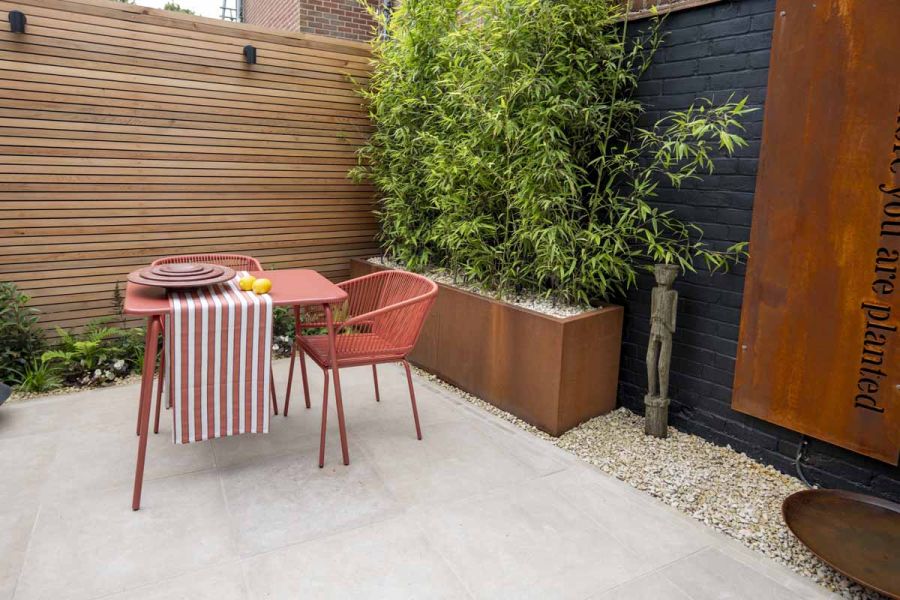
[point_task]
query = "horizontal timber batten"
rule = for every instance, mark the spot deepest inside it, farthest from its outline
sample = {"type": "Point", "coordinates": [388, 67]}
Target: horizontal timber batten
{"type": "Point", "coordinates": [128, 133]}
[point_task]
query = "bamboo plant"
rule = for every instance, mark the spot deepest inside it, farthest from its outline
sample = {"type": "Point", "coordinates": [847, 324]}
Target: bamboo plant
{"type": "Point", "coordinates": [507, 148]}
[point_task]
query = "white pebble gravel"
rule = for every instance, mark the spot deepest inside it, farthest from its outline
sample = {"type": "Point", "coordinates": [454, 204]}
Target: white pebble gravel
{"type": "Point", "coordinates": [725, 489]}
{"type": "Point", "coordinates": [537, 303]}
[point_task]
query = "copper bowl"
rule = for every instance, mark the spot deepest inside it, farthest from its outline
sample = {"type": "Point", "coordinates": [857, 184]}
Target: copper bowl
{"type": "Point", "coordinates": [855, 534]}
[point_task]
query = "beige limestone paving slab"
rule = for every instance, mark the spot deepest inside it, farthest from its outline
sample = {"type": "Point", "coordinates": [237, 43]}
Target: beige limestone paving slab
{"type": "Point", "coordinates": [712, 575]}
{"type": "Point", "coordinates": [386, 560]}
{"type": "Point", "coordinates": [106, 458]}
{"type": "Point", "coordinates": [24, 465]}
{"type": "Point", "coordinates": [29, 417]}
{"type": "Point", "coordinates": [543, 457]}
{"type": "Point", "coordinates": [802, 586]}
{"type": "Point", "coordinates": [15, 531]}
{"type": "Point", "coordinates": [649, 529]}
{"type": "Point", "coordinates": [92, 543]}
{"type": "Point", "coordinates": [224, 582]}
{"type": "Point", "coordinates": [297, 434]}
{"type": "Point", "coordinates": [649, 587]}
{"type": "Point", "coordinates": [452, 461]}
{"type": "Point", "coordinates": [526, 541]}
{"type": "Point", "coordinates": [282, 500]}
{"type": "Point", "coordinates": [479, 506]}
{"type": "Point", "coordinates": [112, 408]}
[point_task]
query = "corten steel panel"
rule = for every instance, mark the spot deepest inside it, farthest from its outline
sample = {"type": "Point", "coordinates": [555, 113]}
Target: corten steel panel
{"type": "Point", "coordinates": [813, 357]}
{"type": "Point", "coordinates": [553, 373]}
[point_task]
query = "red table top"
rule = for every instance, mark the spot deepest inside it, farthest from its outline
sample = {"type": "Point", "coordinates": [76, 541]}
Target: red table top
{"type": "Point", "coordinates": [290, 287]}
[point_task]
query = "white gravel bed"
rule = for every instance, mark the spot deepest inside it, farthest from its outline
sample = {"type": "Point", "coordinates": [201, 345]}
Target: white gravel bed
{"type": "Point", "coordinates": [537, 303]}
{"type": "Point", "coordinates": [724, 489]}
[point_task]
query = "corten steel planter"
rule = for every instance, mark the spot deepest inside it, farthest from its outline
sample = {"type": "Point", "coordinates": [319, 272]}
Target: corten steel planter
{"type": "Point", "coordinates": [549, 371]}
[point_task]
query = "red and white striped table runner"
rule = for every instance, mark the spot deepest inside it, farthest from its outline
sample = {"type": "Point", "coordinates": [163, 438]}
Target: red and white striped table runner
{"type": "Point", "coordinates": [218, 352]}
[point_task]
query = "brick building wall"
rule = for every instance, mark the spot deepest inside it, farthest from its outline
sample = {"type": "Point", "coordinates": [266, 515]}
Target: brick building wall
{"type": "Point", "coordinates": [716, 50]}
{"type": "Point", "coordinates": [345, 19]}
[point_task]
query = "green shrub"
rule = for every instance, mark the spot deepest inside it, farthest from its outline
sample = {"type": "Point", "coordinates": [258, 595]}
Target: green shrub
{"type": "Point", "coordinates": [21, 338]}
{"type": "Point", "coordinates": [506, 147]}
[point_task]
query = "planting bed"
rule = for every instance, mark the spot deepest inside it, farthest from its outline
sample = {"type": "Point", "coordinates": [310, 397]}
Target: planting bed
{"type": "Point", "coordinates": [553, 372]}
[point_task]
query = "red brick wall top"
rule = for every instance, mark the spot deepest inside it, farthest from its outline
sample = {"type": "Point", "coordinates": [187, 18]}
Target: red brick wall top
{"type": "Point", "coordinates": [345, 19]}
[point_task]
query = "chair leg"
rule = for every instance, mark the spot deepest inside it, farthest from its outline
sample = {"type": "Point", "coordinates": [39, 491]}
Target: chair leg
{"type": "Point", "coordinates": [137, 429]}
{"type": "Point", "coordinates": [158, 402]}
{"type": "Point", "coordinates": [287, 392]}
{"type": "Point", "coordinates": [160, 383]}
{"type": "Point", "coordinates": [375, 377]}
{"type": "Point", "coordinates": [162, 360]}
{"type": "Point", "coordinates": [336, 369]}
{"type": "Point", "coordinates": [412, 397]}
{"type": "Point", "coordinates": [272, 390]}
{"type": "Point", "coordinates": [302, 357]}
{"type": "Point", "coordinates": [294, 345]}
{"type": "Point", "coordinates": [324, 421]}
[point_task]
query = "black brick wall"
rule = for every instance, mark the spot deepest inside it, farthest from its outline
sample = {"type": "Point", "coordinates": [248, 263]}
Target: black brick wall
{"type": "Point", "coordinates": [715, 51]}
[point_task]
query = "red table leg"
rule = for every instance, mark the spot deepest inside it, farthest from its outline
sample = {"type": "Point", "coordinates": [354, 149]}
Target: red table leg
{"type": "Point", "coordinates": [296, 353]}
{"type": "Point", "coordinates": [137, 428]}
{"type": "Point", "coordinates": [339, 404]}
{"type": "Point", "coordinates": [153, 329]}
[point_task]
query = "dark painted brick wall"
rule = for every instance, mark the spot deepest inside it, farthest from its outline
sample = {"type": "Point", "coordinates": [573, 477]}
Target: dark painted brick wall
{"type": "Point", "coordinates": [715, 51]}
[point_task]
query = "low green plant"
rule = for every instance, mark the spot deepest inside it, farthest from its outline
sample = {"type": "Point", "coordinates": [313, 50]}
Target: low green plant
{"type": "Point", "coordinates": [94, 357]}
{"type": "Point", "coordinates": [282, 330]}
{"type": "Point", "coordinates": [118, 302]}
{"type": "Point", "coordinates": [282, 322]}
{"type": "Point", "coordinates": [21, 337]}
{"type": "Point", "coordinates": [40, 376]}
{"type": "Point", "coordinates": [507, 149]}
{"type": "Point", "coordinates": [129, 346]}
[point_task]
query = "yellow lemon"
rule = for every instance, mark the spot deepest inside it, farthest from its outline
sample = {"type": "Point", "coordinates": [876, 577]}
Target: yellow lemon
{"type": "Point", "coordinates": [246, 283]}
{"type": "Point", "coordinates": [262, 286]}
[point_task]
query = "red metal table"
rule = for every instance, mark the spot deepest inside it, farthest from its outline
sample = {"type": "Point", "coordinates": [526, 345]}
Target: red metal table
{"type": "Point", "coordinates": [290, 287]}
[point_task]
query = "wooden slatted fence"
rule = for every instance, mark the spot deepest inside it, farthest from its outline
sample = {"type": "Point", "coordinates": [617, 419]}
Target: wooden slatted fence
{"type": "Point", "coordinates": [128, 133]}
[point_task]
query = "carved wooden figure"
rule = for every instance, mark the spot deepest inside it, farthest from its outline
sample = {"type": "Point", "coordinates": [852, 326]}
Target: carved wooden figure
{"type": "Point", "coordinates": [663, 309]}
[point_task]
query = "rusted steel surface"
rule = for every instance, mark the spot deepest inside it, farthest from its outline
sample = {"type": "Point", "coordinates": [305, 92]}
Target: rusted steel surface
{"type": "Point", "coordinates": [858, 535]}
{"type": "Point", "coordinates": [553, 373]}
{"type": "Point", "coordinates": [819, 346]}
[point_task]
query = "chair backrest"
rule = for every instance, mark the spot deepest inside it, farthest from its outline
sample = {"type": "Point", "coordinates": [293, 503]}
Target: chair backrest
{"type": "Point", "coordinates": [400, 300]}
{"type": "Point", "coordinates": [238, 262]}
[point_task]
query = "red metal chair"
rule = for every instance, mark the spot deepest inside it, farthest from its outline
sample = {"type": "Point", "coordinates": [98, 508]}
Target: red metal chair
{"type": "Point", "coordinates": [378, 323]}
{"type": "Point", "coordinates": [238, 262]}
